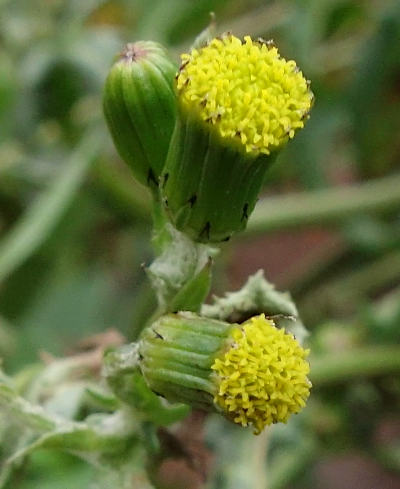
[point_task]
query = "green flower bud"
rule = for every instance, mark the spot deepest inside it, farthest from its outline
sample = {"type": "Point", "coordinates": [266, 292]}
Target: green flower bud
{"type": "Point", "coordinates": [140, 108]}
{"type": "Point", "coordinates": [239, 103]}
{"type": "Point", "coordinates": [253, 373]}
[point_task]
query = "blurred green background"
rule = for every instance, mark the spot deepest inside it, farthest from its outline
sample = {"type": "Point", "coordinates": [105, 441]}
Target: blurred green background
{"type": "Point", "coordinates": [75, 227]}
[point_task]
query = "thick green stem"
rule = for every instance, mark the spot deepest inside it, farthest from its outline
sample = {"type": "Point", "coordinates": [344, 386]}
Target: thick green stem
{"type": "Point", "coordinates": [362, 362]}
{"type": "Point", "coordinates": [325, 206]}
{"type": "Point", "coordinates": [242, 457]}
{"type": "Point", "coordinates": [260, 460]}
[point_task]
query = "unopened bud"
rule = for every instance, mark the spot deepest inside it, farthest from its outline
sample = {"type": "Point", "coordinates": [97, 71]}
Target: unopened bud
{"type": "Point", "coordinates": [140, 108]}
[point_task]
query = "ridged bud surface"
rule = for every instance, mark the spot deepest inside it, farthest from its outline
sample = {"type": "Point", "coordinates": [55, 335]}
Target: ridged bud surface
{"type": "Point", "coordinates": [140, 108]}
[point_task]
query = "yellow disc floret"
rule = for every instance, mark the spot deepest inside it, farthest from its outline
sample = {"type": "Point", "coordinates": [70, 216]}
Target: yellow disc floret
{"type": "Point", "coordinates": [262, 377]}
{"type": "Point", "coordinates": [246, 91]}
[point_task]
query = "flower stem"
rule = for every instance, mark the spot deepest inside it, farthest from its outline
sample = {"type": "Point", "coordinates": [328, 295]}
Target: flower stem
{"type": "Point", "coordinates": [260, 458]}
{"type": "Point", "coordinates": [292, 463]}
{"type": "Point", "coordinates": [333, 205]}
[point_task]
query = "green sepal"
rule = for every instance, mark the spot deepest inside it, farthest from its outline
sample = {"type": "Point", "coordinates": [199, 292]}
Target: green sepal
{"type": "Point", "coordinates": [176, 354]}
{"type": "Point", "coordinates": [121, 369]}
{"type": "Point", "coordinates": [140, 108]}
{"type": "Point", "coordinates": [152, 406]}
{"type": "Point", "coordinates": [210, 186]}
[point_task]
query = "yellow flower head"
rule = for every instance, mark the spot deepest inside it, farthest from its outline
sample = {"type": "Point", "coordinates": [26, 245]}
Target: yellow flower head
{"type": "Point", "coordinates": [252, 373]}
{"type": "Point", "coordinates": [247, 91]}
{"type": "Point", "coordinates": [262, 377]}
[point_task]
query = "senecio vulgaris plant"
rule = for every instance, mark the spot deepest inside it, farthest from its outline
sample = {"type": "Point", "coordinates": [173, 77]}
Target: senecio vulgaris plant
{"type": "Point", "coordinates": [202, 139]}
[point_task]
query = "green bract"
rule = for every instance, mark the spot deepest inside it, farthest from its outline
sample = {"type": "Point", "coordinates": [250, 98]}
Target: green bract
{"type": "Point", "coordinates": [210, 188]}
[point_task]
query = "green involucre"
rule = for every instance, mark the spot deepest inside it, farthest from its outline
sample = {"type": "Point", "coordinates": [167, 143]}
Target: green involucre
{"type": "Point", "coordinates": [210, 187]}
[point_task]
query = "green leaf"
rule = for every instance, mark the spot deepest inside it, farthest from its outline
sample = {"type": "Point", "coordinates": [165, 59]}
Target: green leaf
{"type": "Point", "coordinates": [291, 464]}
{"type": "Point", "coordinates": [241, 461]}
{"type": "Point", "coordinates": [68, 304]}
{"type": "Point", "coordinates": [95, 435]}
{"type": "Point", "coordinates": [54, 470]}
{"type": "Point", "coordinates": [257, 296]}
{"type": "Point", "coordinates": [101, 398]}
{"type": "Point", "coordinates": [108, 441]}
{"type": "Point", "coordinates": [28, 415]}
{"type": "Point", "coordinates": [332, 205]}
{"type": "Point", "coordinates": [192, 295]}
{"type": "Point", "coordinates": [40, 219]}
{"type": "Point", "coordinates": [98, 434]}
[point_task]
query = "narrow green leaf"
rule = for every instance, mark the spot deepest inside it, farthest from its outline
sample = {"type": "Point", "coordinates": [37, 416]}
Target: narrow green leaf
{"type": "Point", "coordinates": [101, 398]}
{"type": "Point", "coordinates": [29, 415]}
{"type": "Point", "coordinates": [40, 219]}
{"type": "Point", "coordinates": [79, 437]}
{"type": "Point", "coordinates": [98, 433]}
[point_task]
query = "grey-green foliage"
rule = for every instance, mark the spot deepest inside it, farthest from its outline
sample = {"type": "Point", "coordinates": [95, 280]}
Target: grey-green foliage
{"type": "Point", "coordinates": [257, 296]}
{"type": "Point", "coordinates": [106, 440]}
{"type": "Point", "coordinates": [43, 215]}
{"type": "Point", "coordinates": [75, 267]}
{"type": "Point", "coordinates": [180, 275]}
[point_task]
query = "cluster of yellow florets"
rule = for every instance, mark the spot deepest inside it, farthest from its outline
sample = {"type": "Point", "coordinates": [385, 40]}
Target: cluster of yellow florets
{"type": "Point", "coordinates": [246, 90]}
{"type": "Point", "coordinates": [262, 378]}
